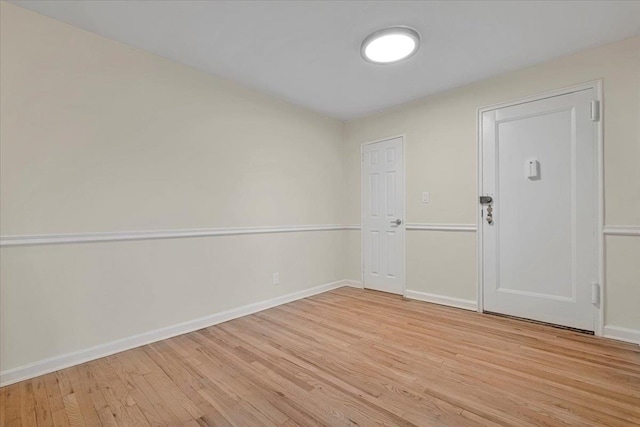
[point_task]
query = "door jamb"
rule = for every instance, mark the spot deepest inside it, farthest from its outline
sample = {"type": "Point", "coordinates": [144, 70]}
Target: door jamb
{"type": "Point", "coordinates": [403, 139]}
{"type": "Point", "coordinates": [596, 85]}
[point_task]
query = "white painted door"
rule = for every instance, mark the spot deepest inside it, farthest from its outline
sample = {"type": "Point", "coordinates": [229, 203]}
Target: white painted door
{"type": "Point", "coordinates": [383, 215]}
{"type": "Point", "coordinates": [539, 246]}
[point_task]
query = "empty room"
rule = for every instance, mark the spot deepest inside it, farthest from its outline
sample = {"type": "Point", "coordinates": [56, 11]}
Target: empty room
{"type": "Point", "coordinates": [319, 213]}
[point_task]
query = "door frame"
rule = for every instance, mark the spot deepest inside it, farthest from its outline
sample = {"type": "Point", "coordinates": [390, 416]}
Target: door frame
{"type": "Point", "coordinates": [403, 139]}
{"type": "Point", "coordinates": [596, 85]}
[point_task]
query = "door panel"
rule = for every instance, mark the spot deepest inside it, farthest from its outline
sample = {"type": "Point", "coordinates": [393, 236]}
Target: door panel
{"type": "Point", "coordinates": [383, 201]}
{"type": "Point", "coordinates": [539, 252]}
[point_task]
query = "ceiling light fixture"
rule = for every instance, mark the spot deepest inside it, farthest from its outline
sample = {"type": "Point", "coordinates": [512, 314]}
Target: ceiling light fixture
{"type": "Point", "coordinates": [390, 45]}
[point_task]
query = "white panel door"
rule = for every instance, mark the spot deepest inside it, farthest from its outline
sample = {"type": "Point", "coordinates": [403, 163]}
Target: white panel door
{"type": "Point", "coordinates": [539, 246]}
{"type": "Point", "coordinates": [383, 215]}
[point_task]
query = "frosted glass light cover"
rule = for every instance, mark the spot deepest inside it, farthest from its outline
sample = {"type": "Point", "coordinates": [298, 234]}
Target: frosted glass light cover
{"type": "Point", "coordinates": [390, 45]}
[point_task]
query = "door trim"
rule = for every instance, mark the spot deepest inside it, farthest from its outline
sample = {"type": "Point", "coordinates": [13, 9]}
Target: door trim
{"type": "Point", "coordinates": [403, 139]}
{"type": "Point", "coordinates": [596, 85]}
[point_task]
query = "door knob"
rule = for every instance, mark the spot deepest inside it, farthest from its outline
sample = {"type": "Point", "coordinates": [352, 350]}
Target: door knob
{"type": "Point", "coordinates": [397, 222]}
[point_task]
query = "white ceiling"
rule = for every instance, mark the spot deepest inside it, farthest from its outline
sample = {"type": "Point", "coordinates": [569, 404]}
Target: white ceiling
{"type": "Point", "coordinates": [309, 52]}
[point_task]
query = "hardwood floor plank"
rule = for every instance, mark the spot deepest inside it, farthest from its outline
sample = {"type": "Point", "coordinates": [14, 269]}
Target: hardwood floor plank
{"type": "Point", "coordinates": [107, 417]}
{"type": "Point", "coordinates": [11, 403]}
{"type": "Point", "coordinates": [113, 395]}
{"type": "Point", "coordinates": [60, 418]}
{"type": "Point", "coordinates": [42, 408]}
{"type": "Point", "coordinates": [53, 392]}
{"type": "Point", "coordinates": [347, 357]}
{"type": "Point", "coordinates": [84, 394]}
{"type": "Point", "coordinates": [145, 389]}
{"type": "Point", "coordinates": [189, 380]}
{"type": "Point", "coordinates": [14, 423]}
{"type": "Point", "coordinates": [27, 404]}
{"type": "Point", "coordinates": [3, 405]}
{"type": "Point", "coordinates": [138, 405]}
{"type": "Point", "coordinates": [64, 382]}
{"type": "Point", "coordinates": [72, 408]}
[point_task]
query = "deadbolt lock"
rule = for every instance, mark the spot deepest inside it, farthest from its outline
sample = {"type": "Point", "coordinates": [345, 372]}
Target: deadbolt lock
{"type": "Point", "coordinates": [488, 200]}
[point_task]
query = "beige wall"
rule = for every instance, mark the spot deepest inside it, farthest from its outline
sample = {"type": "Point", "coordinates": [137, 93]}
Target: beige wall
{"type": "Point", "coordinates": [58, 299]}
{"type": "Point", "coordinates": [441, 158]}
{"type": "Point", "coordinates": [97, 136]}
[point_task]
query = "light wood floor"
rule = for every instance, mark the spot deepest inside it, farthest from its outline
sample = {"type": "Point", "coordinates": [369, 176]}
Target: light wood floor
{"type": "Point", "coordinates": [347, 357]}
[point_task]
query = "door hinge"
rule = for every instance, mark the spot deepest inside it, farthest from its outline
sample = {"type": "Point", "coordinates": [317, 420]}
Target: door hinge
{"type": "Point", "coordinates": [595, 110]}
{"type": "Point", "coordinates": [362, 157]}
{"type": "Point", "coordinates": [595, 293]}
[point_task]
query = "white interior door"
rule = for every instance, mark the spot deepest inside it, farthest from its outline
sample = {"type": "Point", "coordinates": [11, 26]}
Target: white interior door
{"type": "Point", "coordinates": [383, 215]}
{"type": "Point", "coordinates": [539, 244]}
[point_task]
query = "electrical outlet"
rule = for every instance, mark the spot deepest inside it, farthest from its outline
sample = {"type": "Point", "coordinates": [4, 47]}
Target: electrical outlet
{"type": "Point", "coordinates": [425, 197]}
{"type": "Point", "coordinates": [276, 278]}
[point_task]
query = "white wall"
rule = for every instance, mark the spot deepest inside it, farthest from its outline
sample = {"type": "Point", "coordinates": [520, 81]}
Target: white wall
{"type": "Point", "coordinates": [97, 136]}
{"type": "Point", "coordinates": [441, 158]}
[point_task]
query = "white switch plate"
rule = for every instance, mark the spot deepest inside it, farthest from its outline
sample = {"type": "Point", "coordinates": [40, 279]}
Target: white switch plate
{"type": "Point", "coordinates": [425, 197]}
{"type": "Point", "coordinates": [276, 278]}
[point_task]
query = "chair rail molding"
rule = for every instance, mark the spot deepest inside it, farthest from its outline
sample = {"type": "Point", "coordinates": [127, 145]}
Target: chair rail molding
{"type": "Point", "coordinates": [621, 230]}
{"type": "Point", "coordinates": [441, 227]}
{"type": "Point", "coordinates": [51, 239]}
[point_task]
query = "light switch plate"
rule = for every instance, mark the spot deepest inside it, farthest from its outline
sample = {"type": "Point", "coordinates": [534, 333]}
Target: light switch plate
{"type": "Point", "coordinates": [425, 197]}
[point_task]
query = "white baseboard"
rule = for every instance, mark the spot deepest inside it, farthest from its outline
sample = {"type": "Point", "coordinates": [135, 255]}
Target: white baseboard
{"type": "Point", "coordinates": [622, 334]}
{"type": "Point", "coordinates": [353, 283]}
{"type": "Point", "coordinates": [466, 304]}
{"type": "Point", "coordinates": [56, 363]}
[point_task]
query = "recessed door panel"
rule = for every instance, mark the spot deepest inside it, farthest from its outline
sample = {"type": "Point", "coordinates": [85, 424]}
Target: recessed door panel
{"type": "Point", "coordinates": [375, 253]}
{"type": "Point", "coordinates": [374, 185]}
{"type": "Point", "coordinates": [531, 208]}
{"type": "Point", "coordinates": [539, 246]}
{"type": "Point", "coordinates": [390, 194]}
{"type": "Point", "coordinates": [391, 258]}
{"type": "Point", "coordinates": [391, 154]}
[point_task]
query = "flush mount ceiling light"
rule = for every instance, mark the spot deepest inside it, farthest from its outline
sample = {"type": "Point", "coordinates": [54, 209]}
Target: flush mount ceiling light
{"type": "Point", "coordinates": [390, 45]}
